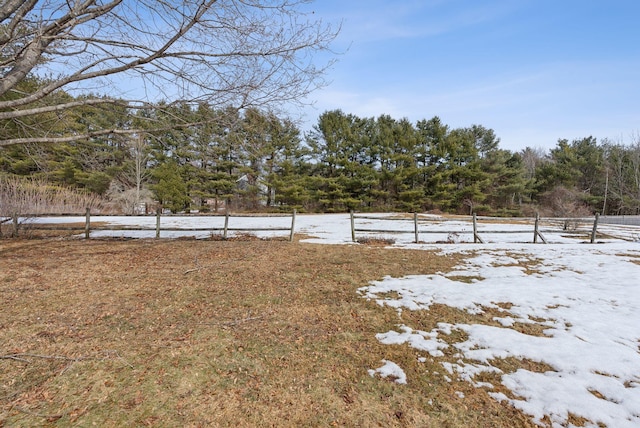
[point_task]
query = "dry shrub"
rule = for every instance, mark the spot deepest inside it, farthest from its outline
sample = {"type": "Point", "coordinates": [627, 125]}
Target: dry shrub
{"type": "Point", "coordinates": [24, 196]}
{"type": "Point", "coordinates": [246, 236]}
{"type": "Point", "coordinates": [563, 202]}
{"type": "Point", "coordinates": [376, 241]}
{"type": "Point", "coordinates": [130, 200]}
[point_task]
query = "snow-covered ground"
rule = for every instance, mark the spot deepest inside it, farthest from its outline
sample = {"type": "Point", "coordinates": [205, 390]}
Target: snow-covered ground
{"type": "Point", "coordinates": [336, 228]}
{"type": "Point", "coordinates": [586, 296]}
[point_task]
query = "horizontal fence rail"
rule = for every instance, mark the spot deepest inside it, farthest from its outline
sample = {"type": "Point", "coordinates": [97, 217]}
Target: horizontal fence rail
{"type": "Point", "coordinates": [420, 222]}
{"type": "Point", "coordinates": [418, 225]}
{"type": "Point", "coordinates": [625, 220]}
{"type": "Point", "coordinates": [88, 227]}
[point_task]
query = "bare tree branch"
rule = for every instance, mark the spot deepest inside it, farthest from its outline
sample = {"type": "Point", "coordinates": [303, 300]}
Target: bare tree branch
{"type": "Point", "coordinates": [238, 52]}
{"type": "Point", "coordinates": [58, 107]}
{"type": "Point", "coordinates": [80, 136]}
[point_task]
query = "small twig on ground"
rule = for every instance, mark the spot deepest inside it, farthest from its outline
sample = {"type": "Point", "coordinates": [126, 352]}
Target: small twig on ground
{"type": "Point", "coordinates": [241, 321]}
{"type": "Point", "coordinates": [197, 268]}
{"type": "Point", "coordinates": [13, 357]}
{"type": "Point", "coordinates": [118, 356]}
{"type": "Point", "coordinates": [25, 356]}
{"type": "Point", "coordinates": [238, 321]}
{"type": "Point", "coordinates": [50, 418]}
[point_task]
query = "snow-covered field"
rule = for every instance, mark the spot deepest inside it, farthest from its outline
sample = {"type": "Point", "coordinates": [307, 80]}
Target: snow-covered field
{"type": "Point", "coordinates": [336, 228]}
{"type": "Point", "coordinates": [586, 296]}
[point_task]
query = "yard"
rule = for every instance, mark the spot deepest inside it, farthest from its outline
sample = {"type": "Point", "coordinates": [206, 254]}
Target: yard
{"type": "Point", "coordinates": [258, 331]}
{"type": "Point", "coordinates": [216, 333]}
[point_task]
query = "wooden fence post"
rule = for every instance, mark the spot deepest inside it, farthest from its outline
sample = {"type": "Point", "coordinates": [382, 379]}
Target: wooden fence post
{"type": "Point", "coordinates": [87, 224]}
{"type": "Point", "coordinates": [595, 228]}
{"type": "Point", "coordinates": [293, 225]}
{"type": "Point", "coordinates": [536, 231]}
{"type": "Point", "coordinates": [476, 237]}
{"type": "Point", "coordinates": [158, 211]}
{"type": "Point", "coordinates": [475, 229]}
{"type": "Point", "coordinates": [16, 225]}
{"type": "Point", "coordinates": [353, 227]}
{"type": "Point", "coordinates": [226, 224]}
{"type": "Point", "coordinates": [415, 227]}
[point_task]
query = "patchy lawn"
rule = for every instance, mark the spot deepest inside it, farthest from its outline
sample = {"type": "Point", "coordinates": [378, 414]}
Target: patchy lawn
{"type": "Point", "coordinates": [217, 333]}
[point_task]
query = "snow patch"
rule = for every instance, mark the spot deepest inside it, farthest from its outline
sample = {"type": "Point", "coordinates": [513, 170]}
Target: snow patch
{"type": "Point", "coordinates": [390, 370]}
{"type": "Point", "coordinates": [585, 305]}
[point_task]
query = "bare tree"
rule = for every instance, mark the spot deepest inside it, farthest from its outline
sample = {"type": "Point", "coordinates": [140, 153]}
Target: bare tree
{"type": "Point", "coordinates": [236, 53]}
{"type": "Point", "coordinates": [532, 158]}
{"type": "Point", "coordinates": [128, 189]}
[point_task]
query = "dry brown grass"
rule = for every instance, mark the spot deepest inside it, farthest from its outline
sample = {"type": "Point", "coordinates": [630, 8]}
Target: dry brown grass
{"type": "Point", "coordinates": [633, 257]}
{"type": "Point", "coordinates": [217, 333]}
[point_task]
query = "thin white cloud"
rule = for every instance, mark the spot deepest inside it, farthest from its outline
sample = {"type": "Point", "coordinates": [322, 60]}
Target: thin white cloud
{"type": "Point", "coordinates": [494, 65]}
{"type": "Point", "coordinates": [367, 21]}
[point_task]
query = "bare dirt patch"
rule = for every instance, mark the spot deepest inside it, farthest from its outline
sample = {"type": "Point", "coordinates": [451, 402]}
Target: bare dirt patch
{"type": "Point", "coordinates": [214, 333]}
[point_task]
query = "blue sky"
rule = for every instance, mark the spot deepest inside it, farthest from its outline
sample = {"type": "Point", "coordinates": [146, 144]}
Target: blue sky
{"type": "Point", "coordinates": [533, 71]}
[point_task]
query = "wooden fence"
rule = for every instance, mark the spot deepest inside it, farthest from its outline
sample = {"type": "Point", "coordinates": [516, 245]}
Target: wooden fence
{"type": "Point", "coordinates": [420, 226]}
{"type": "Point", "coordinates": [89, 227]}
{"type": "Point", "coordinates": [419, 221]}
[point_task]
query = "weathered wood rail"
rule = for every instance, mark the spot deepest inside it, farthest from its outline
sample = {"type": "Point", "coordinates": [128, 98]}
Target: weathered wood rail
{"type": "Point", "coordinates": [418, 221]}
{"type": "Point", "coordinates": [88, 227]}
{"type": "Point", "coordinates": [419, 225]}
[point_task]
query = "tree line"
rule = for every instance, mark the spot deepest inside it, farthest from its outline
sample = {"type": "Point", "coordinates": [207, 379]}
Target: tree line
{"type": "Point", "coordinates": [252, 159]}
{"type": "Point", "coordinates": [226, 69]}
